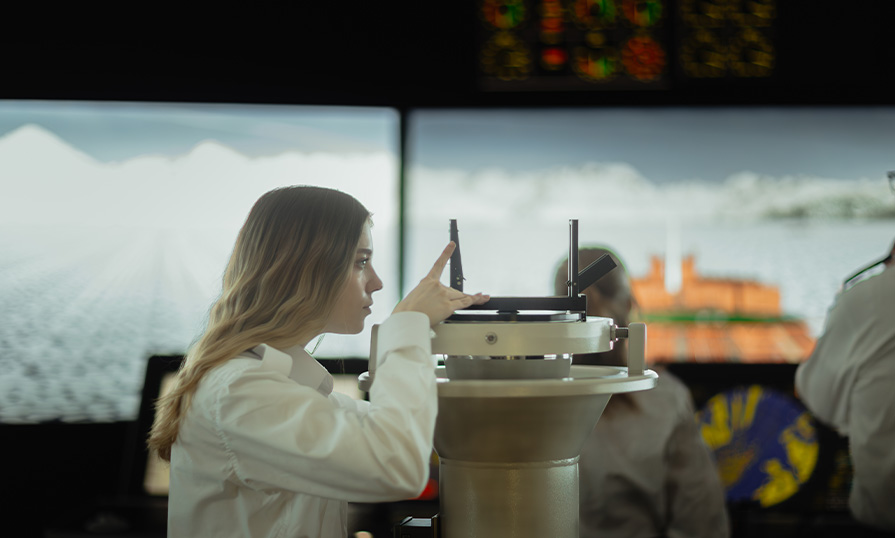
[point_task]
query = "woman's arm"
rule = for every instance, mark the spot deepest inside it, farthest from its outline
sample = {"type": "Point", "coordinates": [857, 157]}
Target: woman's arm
{"type": "Point", "coordinates": [281, 435]}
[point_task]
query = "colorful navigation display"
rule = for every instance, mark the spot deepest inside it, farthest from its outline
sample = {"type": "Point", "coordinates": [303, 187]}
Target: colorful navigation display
{"type": "Point", "coordinates": [621, 44]}
{"type": "Point", "coordinates": [764, 442]}
{"type": "Point", "coordinates": [727, 39]}
{"type": "Point", "coordinates": [573, 44]}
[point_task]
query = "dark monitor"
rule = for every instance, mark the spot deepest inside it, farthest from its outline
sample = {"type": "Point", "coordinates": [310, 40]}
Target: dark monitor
{"type": "Point", "coordinates": [144, 473]}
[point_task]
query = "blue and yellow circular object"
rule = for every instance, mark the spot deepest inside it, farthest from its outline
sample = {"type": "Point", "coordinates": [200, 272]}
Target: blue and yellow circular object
{"type": "Point", "coordinates": [765, 443]}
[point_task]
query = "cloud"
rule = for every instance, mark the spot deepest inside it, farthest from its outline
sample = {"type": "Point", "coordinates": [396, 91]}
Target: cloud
{"type": "Point", "coordinates": [618, 191]}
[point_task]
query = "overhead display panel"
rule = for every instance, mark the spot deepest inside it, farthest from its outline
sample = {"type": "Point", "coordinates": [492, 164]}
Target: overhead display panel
{"type": "Point", "coordinates": [569, 45]}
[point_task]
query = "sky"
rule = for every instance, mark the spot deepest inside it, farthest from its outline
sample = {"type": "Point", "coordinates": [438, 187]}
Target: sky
{"type": "Point", "coordinates": [663, 144]}
{"type": "Point", "coordinates": [116, 131]}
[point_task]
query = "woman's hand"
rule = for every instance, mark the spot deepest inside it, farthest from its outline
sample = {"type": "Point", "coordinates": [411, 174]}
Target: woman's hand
{"type": "Point", "coordinates": [433, 298]}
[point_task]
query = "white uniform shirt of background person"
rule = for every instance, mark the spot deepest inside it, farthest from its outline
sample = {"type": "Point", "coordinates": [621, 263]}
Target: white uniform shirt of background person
{"type": "Point", "coordinates": [645, 471]}
{"type": "Point", "coordinates": [849, 384]}
{"type": "Point", "coordinates": [268, 450]}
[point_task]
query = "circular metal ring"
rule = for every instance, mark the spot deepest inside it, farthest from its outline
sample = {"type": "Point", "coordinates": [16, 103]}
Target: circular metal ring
{"type": "Point", "coordinates": [583, 380]}
{"type": "Point", "coordinates": [508, 338]}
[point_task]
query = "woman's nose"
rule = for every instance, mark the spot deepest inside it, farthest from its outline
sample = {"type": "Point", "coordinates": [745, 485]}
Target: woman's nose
{"type": "Point", "coordinates": [375, 283]}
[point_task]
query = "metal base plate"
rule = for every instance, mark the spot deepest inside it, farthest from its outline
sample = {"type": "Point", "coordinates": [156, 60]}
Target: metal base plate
{"type": "Point", "coordinates": [466, 316]}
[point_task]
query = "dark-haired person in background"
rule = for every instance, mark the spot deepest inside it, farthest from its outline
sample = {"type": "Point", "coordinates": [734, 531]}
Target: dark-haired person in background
{"type": "Point", "coordinates": [645, 470]}
{"type": "Point", "coordinates": [848, 383]}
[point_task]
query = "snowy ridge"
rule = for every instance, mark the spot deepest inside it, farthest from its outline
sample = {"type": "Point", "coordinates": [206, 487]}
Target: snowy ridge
{"type": "Point", "coordinates": [33, 145]}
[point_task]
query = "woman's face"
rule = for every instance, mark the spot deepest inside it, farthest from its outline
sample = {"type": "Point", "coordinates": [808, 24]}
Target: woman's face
{"type": "Point", "coordinates": [354, 302]}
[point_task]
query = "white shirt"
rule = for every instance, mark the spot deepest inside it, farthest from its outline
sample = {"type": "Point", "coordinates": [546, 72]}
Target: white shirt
{"type": "Point", "coordinates": [849, 383]}
{"type": "Point", "coordinates": [645, 471]}
{"type": "Point", "coordinates": [267, 450]}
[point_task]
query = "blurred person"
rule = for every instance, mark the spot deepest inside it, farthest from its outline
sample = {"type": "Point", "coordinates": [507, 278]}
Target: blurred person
{"type": "Point", "coordinates": [259, 444]}
{"type": "Point", "coordinates": [645, 470]}
{"type": "Point", "coordinates": [848, 383]}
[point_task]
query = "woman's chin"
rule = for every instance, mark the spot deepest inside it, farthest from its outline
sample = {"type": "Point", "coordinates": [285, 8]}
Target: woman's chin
{"type": "Point", "coordinates": [352, 330]}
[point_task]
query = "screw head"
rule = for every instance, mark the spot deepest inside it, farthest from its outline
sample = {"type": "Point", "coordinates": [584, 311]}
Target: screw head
{"type": "Point", "coordinates": [491, 338]}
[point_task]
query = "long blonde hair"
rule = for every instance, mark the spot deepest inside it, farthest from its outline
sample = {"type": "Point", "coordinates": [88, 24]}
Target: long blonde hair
{"type": "Point", "coordinates": [291, 257]}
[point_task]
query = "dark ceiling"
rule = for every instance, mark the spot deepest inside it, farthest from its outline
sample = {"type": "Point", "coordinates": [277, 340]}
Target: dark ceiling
{"type": "Point", "coordinates": [402, 54]}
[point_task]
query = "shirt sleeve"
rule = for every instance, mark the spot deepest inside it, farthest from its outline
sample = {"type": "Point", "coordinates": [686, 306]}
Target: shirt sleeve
{"type": "Point", "coordinates": [871, 441]}
{"type": "Point", "coordinates": [847, 383]}
{"type": "Point", "coordinates": [282, 435]}
{"type": "Point", "coordinates": [696, 497]}
{"type": "Point", "coordinates": [824, 381]}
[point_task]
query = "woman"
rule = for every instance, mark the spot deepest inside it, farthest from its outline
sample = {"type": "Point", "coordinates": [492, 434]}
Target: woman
{"type": "Point", "coordinates": [645, 470]}
{"type": "Point", "coordinates": [259, 444]}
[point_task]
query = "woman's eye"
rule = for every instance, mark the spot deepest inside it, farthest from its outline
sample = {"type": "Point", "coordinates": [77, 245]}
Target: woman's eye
{"type": "Point", "coordinates": [362, 263]}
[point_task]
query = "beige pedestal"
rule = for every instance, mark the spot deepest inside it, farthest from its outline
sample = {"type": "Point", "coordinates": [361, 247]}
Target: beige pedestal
{"type": "Point", "coordinates": [509, 450]}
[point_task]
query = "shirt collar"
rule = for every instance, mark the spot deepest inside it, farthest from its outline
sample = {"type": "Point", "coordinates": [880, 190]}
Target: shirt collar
{"type": "Point", "coordinates": [305, 369]}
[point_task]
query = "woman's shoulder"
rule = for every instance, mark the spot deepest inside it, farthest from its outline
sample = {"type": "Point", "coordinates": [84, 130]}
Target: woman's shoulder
{"type": "Point", "coordinates": [227, 373]}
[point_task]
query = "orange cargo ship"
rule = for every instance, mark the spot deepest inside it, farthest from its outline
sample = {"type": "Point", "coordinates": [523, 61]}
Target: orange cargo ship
{"type": "Point", "coordinates": [716, 319]}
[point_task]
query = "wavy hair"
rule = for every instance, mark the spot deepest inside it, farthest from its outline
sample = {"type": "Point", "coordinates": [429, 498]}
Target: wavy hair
{"type": "Point", "coordinates": [291, 258]}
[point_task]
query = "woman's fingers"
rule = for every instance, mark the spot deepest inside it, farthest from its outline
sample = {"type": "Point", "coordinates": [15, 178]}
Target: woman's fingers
{"type": "Point", "coordinates": [442, 260]}
{"type": "Point", "coordinates": [467, 300]}
{"type": "Point", "coordinates": [481, 298]}
{"type": "Point", "coordinates": [433, 298]}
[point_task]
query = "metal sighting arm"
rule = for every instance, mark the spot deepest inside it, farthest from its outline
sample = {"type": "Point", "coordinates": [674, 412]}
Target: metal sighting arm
{"type": "Point", "coordinates": [456, 263]}
{"type": "Point", "coordinates": [578, 281]}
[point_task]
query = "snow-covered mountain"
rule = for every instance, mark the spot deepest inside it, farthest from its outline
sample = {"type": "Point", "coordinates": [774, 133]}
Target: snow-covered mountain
{"type": "Point", "coordinates": [31, 148]}
{"type": "Point", "coordinates": [47, 181]}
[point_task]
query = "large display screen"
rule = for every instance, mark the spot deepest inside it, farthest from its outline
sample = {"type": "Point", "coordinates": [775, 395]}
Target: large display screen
{"type": "Point", "coordinates": [737, 225]}
{"type": "Point", "coordinates": [117, 219]}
